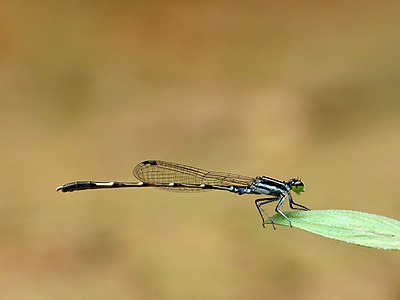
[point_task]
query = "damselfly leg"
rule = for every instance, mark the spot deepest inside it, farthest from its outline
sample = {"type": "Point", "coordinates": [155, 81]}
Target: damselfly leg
{"type": "Point", "coordinates": [292, 203]}
{"type": "Point", "coordinates": [262, 201]}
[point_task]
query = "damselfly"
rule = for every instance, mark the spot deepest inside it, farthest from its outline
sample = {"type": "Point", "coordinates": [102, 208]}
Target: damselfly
{"type": "Point", "coordinates": [180, 178]}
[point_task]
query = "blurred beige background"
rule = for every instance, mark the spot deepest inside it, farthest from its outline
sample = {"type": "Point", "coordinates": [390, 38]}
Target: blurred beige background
{"type": "Point", "coordinates": [283, 89]}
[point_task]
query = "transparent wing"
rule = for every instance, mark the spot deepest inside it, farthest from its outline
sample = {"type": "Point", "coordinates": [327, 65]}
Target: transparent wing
{"type": "Point", "coordinates": [162, 172]}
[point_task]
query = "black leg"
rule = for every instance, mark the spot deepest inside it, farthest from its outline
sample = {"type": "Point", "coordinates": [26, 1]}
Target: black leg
{"type": "Point", "coordinates": [300, 207]}
{"type": "Point", "coordinates": [261, 202]}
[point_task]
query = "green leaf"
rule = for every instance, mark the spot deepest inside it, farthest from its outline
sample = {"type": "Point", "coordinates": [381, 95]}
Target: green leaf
{"type": "Point", "coordinates": [346, 225]}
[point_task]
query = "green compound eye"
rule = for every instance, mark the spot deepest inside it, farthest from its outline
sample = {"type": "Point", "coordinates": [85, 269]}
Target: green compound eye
{"type": "Point", "coordinates": [296, 185]}
{"type": "Point", "coordinates": [298, 188]}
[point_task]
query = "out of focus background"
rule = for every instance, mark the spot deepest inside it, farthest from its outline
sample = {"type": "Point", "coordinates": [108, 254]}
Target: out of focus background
{"type": "Point", "coordinates": [283, 89]}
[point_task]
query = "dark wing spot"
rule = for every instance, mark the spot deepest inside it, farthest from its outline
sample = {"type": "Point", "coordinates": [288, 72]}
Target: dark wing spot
{"type": "Point", "coordinates": [150, 162]}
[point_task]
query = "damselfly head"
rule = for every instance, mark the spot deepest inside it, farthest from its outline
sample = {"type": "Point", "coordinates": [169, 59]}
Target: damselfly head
{"type": "Point", "coordinates": [296, 185]}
